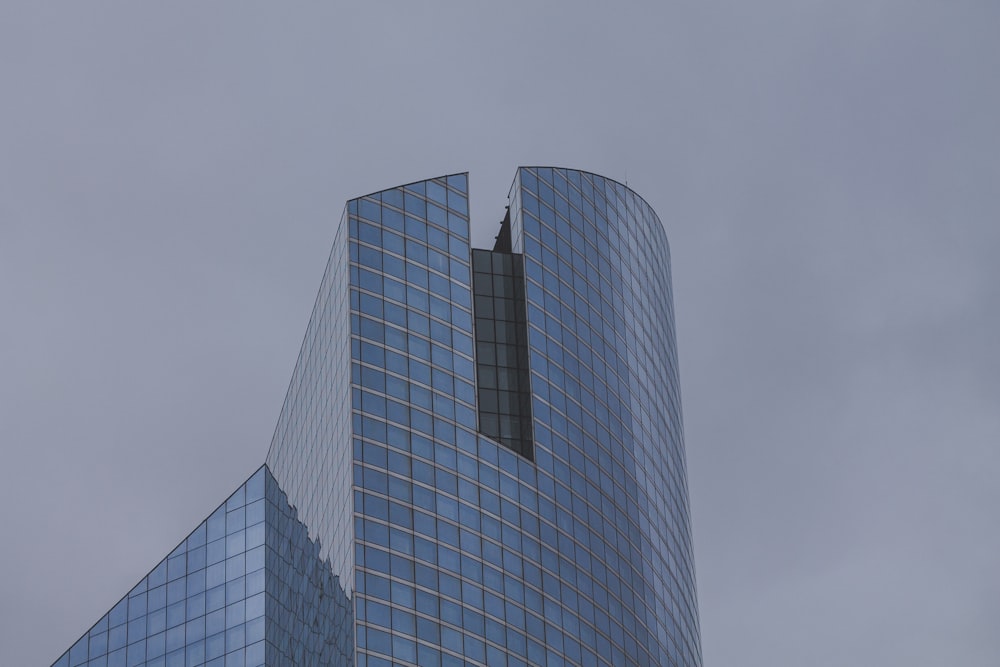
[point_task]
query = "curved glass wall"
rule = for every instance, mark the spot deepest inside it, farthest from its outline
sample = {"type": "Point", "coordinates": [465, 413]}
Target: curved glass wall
{"type": "Point", "coordinates": [466, 552]}
{"type": "Point", "coordinates": [608, 427]}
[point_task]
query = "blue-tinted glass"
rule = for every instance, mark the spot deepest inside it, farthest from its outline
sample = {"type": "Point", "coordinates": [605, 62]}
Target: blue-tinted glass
{"type": "Point", "coordinates": [395, 504]}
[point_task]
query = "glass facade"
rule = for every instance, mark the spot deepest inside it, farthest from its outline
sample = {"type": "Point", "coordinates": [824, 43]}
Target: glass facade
{"type": "Point", "coordinates": [607, 414]}
{"type": "Point", "coordinates": [480, 459]}
{"type": "Point", "coordinates": [245, 589]}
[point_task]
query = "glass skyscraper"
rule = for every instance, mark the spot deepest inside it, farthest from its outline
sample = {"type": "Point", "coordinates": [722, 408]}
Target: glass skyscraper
{"type": "Point", "coordinates": [479, 461]}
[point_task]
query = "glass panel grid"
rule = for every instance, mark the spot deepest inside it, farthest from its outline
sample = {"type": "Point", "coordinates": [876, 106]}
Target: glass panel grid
{"type": "Point", "coordinates": [392, 532]}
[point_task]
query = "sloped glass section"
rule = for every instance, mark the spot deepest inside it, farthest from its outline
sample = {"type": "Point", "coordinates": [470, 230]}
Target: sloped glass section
{"type": "Point", "coordinates": [245, 589]}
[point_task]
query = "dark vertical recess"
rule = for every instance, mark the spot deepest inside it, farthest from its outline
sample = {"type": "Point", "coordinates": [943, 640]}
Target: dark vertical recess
{"type": "Point", "coordinates": [502, 374]}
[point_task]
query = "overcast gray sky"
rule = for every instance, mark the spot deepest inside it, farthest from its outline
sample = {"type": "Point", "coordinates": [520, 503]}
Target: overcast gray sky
{"type": "Point", "coordinates": [828, 173]}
